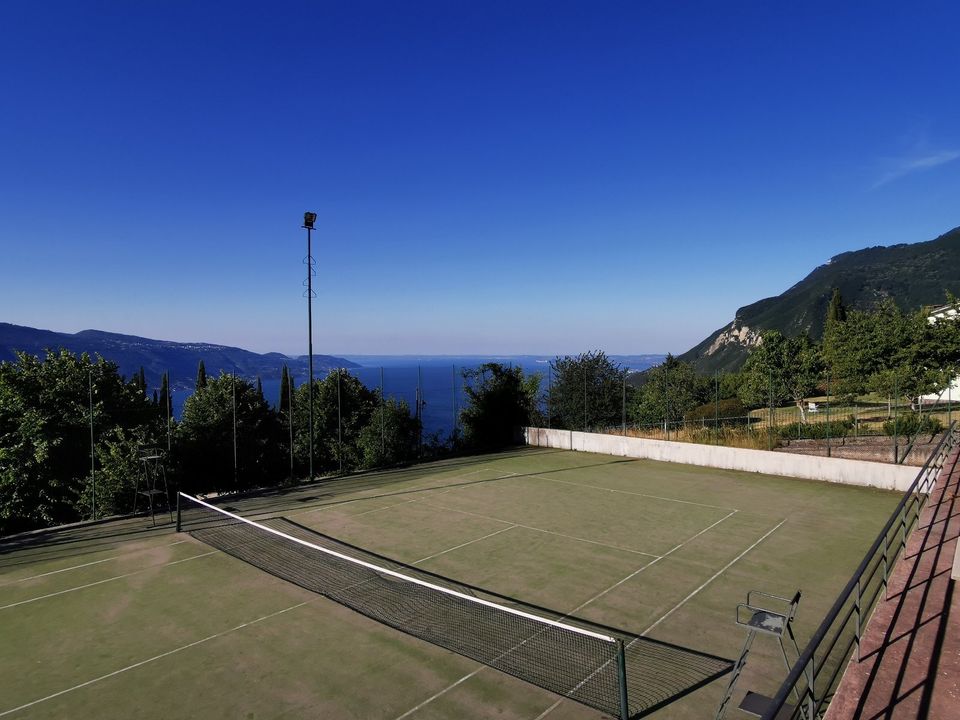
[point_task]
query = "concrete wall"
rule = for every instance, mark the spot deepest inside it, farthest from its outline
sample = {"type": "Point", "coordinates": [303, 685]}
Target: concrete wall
{"type": "Point", "coordinates": [837, 470]}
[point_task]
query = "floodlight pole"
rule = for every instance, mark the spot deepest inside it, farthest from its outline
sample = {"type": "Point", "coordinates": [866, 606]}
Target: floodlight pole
{"type": "Point", "coordinates": [308, 219]}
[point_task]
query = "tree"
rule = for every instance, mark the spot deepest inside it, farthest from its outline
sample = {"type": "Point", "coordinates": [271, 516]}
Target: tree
{"type": "Point", "coordinates": [284, 405]}
{"type": "Point", "coordinates": [201, 377]}
{"type": "Point", "coordinates": [668, 391]}
{"type": "Point", "coordinates": [586, 391]}
{"type": "Point", "coordinates": [45, 418]}
{"type": "Point", "coordinates": [781, 369]}
{"type": "Point", "coordinates": [390, 436]}
{"type": "Point", "coordinates": [499, 399]}
{"type": "Point", "coordinates": [342, 407]}
{"type": "Point", "coordinates": [205, 438]}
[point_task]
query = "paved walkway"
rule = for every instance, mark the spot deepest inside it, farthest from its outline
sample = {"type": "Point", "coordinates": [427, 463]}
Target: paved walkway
{"type": "Point", "coordinates": [911, 649]}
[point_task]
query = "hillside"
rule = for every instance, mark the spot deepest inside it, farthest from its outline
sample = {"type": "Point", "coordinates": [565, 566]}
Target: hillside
{"type": "Point", "coordinates": [131, 353]}
{"type": "Point", "coordinates": [912, 275]}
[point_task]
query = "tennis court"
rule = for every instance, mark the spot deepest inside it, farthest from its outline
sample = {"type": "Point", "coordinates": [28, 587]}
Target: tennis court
{"type": "Point", "coordinates": [123, 620]}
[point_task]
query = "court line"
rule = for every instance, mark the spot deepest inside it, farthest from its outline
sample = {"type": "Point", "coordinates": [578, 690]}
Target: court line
{"type": "Point", "coordinates": [457, 547]}
{"type": "Point", "coordinates": [631, 492]}
{"type": "Point", "coordinates": [150, 660]}
{"type": "Point", "coordinates": [110, 579]}
{"type": "Point", "coordinates": [579, 607]}
{"type": "Point", "coordinates": [636, 572]}
{"type": "Point", "coordinates": [88, 564]}
{"type": "Point", "coordinates": [537, 529]}
{"type": "Point", "coordinates": [338, 503]}
{"type": "Point", "coordinates": [714, 576]}
{"type": "Point", "coordinates": [197, 642]}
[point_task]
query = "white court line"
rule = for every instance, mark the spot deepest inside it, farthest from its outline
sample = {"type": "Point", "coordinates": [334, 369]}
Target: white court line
{"type": "Point", "coordinates": [714, 577]}
{"type": "Point", "coordinates": [579, 607]}
{"type": "Point", "coordinates": [150, 660]}
{"type": "Point", "coordinates": [548, 532]}
{"type": "Point", "coordinates": [338, 503]}
{"type": "Point", "coordinates": [457, 547]}
{"type": "Point", "coordinates": [631, 492]}
{"type": "Point", "coordinates": [88, 564]}
{"type": "Point", "coordinates": [110, 579]}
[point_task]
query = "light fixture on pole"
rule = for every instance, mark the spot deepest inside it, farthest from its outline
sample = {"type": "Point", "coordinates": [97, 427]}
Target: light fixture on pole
{"type": "Point", "coordinates": [309, 218]}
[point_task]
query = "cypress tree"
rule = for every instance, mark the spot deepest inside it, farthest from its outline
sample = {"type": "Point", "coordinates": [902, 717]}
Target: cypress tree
{"type": "Point", "coordinates": [259, 388]}
{"type": "Point", "coordinates": [164, 395]}
{"type": "Point", "coordinates": [837, 312]}
{"type": "Point", "coordinates": [284, 391]}
{"type": "Point", "coordinates": [142, 381]}
{"type": "Point", "coordinates": [201, 376]}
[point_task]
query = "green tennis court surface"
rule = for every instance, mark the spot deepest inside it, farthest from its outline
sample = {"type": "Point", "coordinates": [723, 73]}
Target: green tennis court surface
{"type": "Point", "coordinates": [122, 620]}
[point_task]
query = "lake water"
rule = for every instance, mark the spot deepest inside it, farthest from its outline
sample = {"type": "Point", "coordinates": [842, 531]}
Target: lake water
{"type": "Point", "coordinates": [440, 379]}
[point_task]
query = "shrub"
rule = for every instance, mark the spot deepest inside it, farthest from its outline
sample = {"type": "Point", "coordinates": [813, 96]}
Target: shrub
{"type": "Point", "coordinates": [912, 424]}
{"type": "Point", "coordinates": [816, 431]}
{"type": "Point", "coordinates": [731, 411]}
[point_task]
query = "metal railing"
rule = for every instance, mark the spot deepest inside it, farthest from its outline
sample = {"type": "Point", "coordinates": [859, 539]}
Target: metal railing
{"type": "Point", "coordinates": [815, 675]}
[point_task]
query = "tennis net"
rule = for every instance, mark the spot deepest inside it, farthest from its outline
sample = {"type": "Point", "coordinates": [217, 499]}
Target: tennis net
{"type": "Point", "coordinates": [569, 656]}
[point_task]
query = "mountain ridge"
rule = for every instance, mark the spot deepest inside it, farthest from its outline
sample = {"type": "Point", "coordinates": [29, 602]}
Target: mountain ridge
{"type": "Point", "coordinates": [913, 275]}
{"type": "Point", "coordinates": [180, 359]}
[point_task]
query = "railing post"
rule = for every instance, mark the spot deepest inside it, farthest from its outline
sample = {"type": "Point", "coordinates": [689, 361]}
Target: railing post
{"type": "Point", "coordinates": [859, 619]}
{"type": "Point", "coordinates": [622, 681]}
{"type": "Point", "coordinates": [811, 692]}
{"type": "Point", "coordinates": [886, 542]}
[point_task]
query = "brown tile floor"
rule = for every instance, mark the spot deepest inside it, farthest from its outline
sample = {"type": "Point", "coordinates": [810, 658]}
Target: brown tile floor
{"type": "Point", "coordinates": [910, 667]}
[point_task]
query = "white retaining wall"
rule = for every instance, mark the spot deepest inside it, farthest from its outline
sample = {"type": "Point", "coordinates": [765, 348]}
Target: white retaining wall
{"type": "Point", "coordinates": [836, 470]}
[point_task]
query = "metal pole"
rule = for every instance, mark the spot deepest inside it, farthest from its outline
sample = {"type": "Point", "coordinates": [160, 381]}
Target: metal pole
{"type": "Point", "coordinates": [290, 418]}
{"type": "Point", "coordinates": [624, 403]}
{"type": "Point", "coordinates": [622, 681]}
{"type": "Point", "coordinates": [383, 419]}
{"type": "Point", "coordinates": [454, 399]}
{"type": "Point", "coordinates": [169, 410]}
{"type": "Point", "coordinates": [309, 228]}
{"type": "Point", "coordinates": [93, 475]}
{"type": "Point", "coordinates": [585, 398]}
{"type": "Point", "coordinates": [829, 429]}
{"type": "Point", "coordinates": [549, 392]}
{"type": "Point", "coordinates": [339, 425]}
{"type": "Point", "coordinates": [179, 523]}
{"type": "Point", "coordinates": [419, 412]}
{"type": "Point", "coordinates": [233, 390]}
{"type": "Point", "coordinates": [859, 620]}
{"type": "Point", "coordinates": [716, 408]}
{"type": "Point", "coordinates": [896, 430]}
{"type": "Point", "coordinates": [770, 417]}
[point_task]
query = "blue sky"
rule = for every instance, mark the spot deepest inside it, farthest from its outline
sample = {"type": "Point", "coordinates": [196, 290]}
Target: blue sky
{"type": "Point", "coordinates": [490, 177]}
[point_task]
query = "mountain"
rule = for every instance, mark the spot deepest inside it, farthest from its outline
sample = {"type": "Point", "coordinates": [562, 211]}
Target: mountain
{"type": "Point", "coordinates": [131, 353]}
{"type": "Point", "coordinates": [913, 275]}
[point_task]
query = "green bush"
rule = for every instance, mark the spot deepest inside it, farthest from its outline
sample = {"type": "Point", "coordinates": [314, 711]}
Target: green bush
{"type": "Point", "coordinates": [731, 411]}
{"type": "Point", "coordinates": [816, 431]}
{"type": "Point", "coordinates": [912, 424]}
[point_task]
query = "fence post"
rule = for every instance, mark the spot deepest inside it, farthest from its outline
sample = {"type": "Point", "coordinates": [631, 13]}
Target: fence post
{"type": "Point", "coordinates": [829, 429]}
{"type": "Point", "coordinates": [886, 542]}
{"type": "Point", "coordinates": [812, 697]}
{"type": "Point", "coordinates": [549, 391]}
{"type": "Point", "coordinates": [93, 470]}
{"type": "Point", "coordinates": [622, 677]}
{"type": "Point", "coordinates": [383, 419]}
{"type": "Point", "coordinates": [453, 396]}
{"type": "Point", "coordinates": [624, 403]}
{"type": "Point", "coordinates": [716, 408]}
{"type": "Point", "coordinates": [339, 426]}
{"type": "Point", "coordinates": [233, 392]}
{"type": "Point", "coordinates": [179, 525]}
{"type": "Point", "coordinates": [770, 415]}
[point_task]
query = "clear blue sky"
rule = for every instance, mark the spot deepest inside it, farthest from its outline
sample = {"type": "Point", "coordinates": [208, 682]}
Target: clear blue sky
{"type": "Point", "coordinates": [490, 177]}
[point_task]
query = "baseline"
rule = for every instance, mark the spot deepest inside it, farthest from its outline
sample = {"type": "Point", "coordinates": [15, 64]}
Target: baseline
{"type": "Point", "coordinates": [631, 492]}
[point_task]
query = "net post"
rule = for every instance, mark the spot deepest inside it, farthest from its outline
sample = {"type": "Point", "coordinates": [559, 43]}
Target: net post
{"type": "Point", "coordinates": [179, 525]}
{"type": "Point", "coordinates": [622, 680]}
